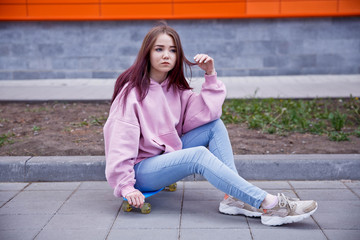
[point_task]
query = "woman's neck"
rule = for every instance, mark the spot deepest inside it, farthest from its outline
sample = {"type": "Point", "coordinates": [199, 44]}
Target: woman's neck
{"type": "Point", "coordinates": [158, 77]}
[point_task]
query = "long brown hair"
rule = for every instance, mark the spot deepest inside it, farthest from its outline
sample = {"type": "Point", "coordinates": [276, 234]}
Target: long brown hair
{"type": "Point", "coordinates": [138, 75]}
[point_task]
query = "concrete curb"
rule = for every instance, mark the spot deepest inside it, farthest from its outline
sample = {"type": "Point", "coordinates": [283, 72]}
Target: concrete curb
{"type": "Point", "coordinates": [250, 167]}
{"type": "Point", "coordinates": [52, 168]}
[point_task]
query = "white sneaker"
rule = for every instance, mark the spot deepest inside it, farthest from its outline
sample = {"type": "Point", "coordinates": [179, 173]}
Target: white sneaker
{"type": "Point", "coordinates": [288, 210]}
{"type": "Point", "coordinates": [234, 206]}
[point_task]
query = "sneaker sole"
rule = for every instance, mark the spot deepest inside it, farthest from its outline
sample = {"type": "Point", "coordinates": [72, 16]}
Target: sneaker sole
{"type": "Point", "coordinates": [237, 211]}
{"type": "Point", "coordinates": [276, 221]}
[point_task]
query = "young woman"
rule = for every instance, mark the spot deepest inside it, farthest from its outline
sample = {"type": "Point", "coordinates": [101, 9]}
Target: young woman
{"type": "Point", "coordinates": [159, 131]}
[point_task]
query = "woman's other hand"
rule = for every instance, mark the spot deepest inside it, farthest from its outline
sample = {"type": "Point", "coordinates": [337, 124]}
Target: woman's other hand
{"type": "Point", "coordinates": [206, 63]}
{"type": "Point", "coordinates": [136, 199]}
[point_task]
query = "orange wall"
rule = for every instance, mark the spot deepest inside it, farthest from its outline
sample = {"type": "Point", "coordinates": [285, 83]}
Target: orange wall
{"type": "Point", "coordinates": [172, 9]}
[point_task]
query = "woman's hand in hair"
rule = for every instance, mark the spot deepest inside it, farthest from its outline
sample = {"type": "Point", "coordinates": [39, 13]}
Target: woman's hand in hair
{"type": "Point", "coordinates": [136, 199]}
{"type": "Point", "coordinates": [206, 63]}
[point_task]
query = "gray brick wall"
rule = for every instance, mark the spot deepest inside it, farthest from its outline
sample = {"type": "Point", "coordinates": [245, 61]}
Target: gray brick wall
{"type": "Point", "coordinates": [241, 47]}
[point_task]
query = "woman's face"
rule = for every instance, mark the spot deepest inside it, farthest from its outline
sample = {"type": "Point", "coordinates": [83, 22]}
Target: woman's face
{"type": "Point", "coordinates": [162, 57]}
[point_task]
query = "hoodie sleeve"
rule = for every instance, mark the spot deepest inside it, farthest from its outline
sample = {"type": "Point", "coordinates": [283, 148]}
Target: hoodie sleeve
{"type": "Point", "coordinates": [203, 107]}
{"type": "Point", "coordinates": [121, 138]}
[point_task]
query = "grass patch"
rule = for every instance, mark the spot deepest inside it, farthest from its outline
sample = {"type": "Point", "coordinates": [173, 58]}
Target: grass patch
{"type": "Point", "coordinates": [6, 138]}
{"type": "Point", "coordinates": [279, 116]}
{"type": "Point", "coordinates": [92, 121]}
{"type": "Point", "coordinates": [338, 136]}
{"type": "Point", "coordinates": [37, 109]}
{"type": "Point", "coordinates": [357, 133]}
{"type": "Point", "coordinates": [36, 128]}
{"type": "Point", "coordinates": [98, 121]}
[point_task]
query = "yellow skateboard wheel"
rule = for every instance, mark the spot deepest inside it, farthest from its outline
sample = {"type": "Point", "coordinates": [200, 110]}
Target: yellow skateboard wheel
{"type": "Point", "coordinates": [171, 187]}
{"type": "Point", "coordinates": [146, 208]}
{"type": "Point", "coordinates": [126, 206]}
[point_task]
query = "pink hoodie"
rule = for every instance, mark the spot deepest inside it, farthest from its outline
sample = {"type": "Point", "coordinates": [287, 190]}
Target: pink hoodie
{"type": "Point", "coordinates": [155, 126]}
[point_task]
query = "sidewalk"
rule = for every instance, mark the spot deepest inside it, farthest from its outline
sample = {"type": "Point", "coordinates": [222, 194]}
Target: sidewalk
{"type": "Point", "coordinates": [88, 210]}
{"type": "Point", "coordinates": [308, 86]}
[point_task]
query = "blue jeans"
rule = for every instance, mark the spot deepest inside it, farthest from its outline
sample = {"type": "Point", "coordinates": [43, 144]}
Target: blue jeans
{"type": "Point", "coordinates": [206, 151]}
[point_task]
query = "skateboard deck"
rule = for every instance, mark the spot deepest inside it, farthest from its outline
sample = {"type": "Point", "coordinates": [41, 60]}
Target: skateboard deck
{"type": "Point", "coordinates": [147, 206]}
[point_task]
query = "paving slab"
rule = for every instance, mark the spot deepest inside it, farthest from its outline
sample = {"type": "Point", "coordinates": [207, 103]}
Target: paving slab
{"type": "Point", "coordinates": [328, 194]}
{"type": "Point", "coordinates": [342, 234]}
{"type": "Point", "coordinates": [7, 195]}
{"type": "Point", "coordinates": [200, 207]}
{"type": "Point", "coordinates": [31, 207]}
{"type": "Point", "coordinates": [19, 234]}
{"type": "Point", "coordinates": [81, 222]}
{"type": "Point", "coordinates": [42, 196]}
{"type": "Point", "coordinates": [317, 184]}
{"type": "Point", "coordinates": [144, 234]}
{"type": "Point", "coordinates": [91, 207]}
{"type": "Point", "coordinates": [271, 184]}
{"type": "Point", "coordinates": [352, 183]}
{"type": "Point", "coordinates": [296, 234]}
{"type": "Point", "coordinates": [356, 191]}
{"type": "Point", "coordinates": [94, 195]}
{"type": "Point", "coordinates": [23, 222]}
{"type": "Point", "coordinates": [338, 215]}
{"type": "Point", "coordinates": [213, 220]}
{"type": "Point", "coordinates": [136, 220]}
{"type": "Point", "coordinates": [95, 185]}
{"type": "Point", "coordinates": [207, 194]}
{"type": "Point", "coordinates": [163, 205]}
{"type": "Point", "coordinates": [71, 234]}
{"type": "Point", "coordinates": [54, 186]}
{"type": "Point", "coordinates": [215, 234]}
{"type": "Point", "coordinates": [173, 196]}
{"type": "Point", "coordinates": [7, 186]}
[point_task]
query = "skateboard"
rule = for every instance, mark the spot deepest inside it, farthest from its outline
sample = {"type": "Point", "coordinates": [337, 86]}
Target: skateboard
{"type": "Point", "coordinates": [147, 206]}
